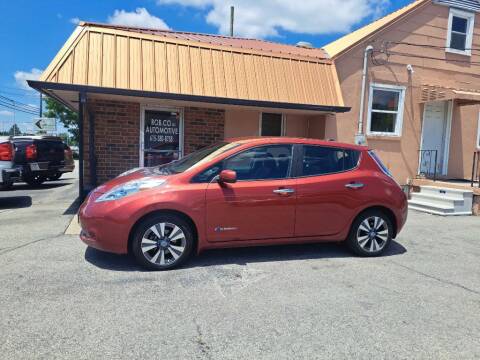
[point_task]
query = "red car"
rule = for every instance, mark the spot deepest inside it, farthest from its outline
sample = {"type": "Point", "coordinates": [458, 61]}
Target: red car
{"type": "Point", "coordinates": [245, 192]}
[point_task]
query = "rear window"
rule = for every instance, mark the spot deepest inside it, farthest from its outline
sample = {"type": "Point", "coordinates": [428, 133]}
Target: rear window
{"type": "Point", "coordinates": [322, 160]}
{"type": "Point", "coordinates": [379, 162]}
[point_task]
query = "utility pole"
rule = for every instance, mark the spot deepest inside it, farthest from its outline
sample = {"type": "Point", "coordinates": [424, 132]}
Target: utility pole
{"type": "Point", "coordinates": [232, 11]}
{"type": "Point", "coordinates": [41, 105]}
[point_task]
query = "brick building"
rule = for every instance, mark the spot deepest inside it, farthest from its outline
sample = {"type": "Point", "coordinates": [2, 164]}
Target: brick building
{"type": "Point", "coordinates": [146, 97]}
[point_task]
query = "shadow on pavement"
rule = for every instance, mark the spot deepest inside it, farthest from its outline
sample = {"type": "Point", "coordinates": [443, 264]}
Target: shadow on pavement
{"type": "Point", "coordinates": [15, 202]}
{"type": "Point", "coordinates": [239, 256]}
{"type": "Point", "coordinates": [73, 207]}
{"type": "Point", "coordinates": [44, 186]}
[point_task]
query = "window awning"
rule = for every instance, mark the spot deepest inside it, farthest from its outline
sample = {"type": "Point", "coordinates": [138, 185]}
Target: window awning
{"type": "Point", "coordinates": [438, 93]}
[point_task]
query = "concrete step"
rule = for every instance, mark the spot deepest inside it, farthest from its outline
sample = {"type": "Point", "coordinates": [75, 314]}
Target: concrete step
{"type": "Point", "coordinates": [438, 199]}
{"type": "Point", "coordinates": [442, 201]}
{"type": "Point", "coordinates": [436, 212]}
{"type": "Point", "coordinates": [444, 191]}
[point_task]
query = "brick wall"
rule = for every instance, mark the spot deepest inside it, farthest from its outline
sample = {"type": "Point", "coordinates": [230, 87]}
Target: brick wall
{"type": "Point", "coordinates": [202, 127]}
{"type": "Point", "coordinates": [117, 134]}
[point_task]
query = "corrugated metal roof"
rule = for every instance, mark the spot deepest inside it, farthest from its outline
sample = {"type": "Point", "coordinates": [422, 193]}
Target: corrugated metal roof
{"type": "Point", "coordinates": [234, 42]}
{"type": "Point", "coordinates": [114, 57]}
{"type": "Point", "coordinates": [337, 47]}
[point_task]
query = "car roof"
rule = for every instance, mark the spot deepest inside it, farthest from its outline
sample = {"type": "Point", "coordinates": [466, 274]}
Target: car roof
{"type": "Point", "coordinates": [38, 137]}
{"type": "Point", "coordinates": [294, 140]}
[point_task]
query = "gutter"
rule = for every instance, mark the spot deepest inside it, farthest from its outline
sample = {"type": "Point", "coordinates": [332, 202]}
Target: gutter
{"type": "Point", "coordinates": [44, 87]}
{"type": "Point", "coordinates": [360, 136]}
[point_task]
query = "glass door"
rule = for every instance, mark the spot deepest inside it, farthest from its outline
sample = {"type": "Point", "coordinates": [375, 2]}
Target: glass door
{"type": "Point", "coordinates": [162, 137]}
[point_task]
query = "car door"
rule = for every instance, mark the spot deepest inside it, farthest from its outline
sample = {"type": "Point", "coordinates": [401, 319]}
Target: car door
{"type": "Point", "coordinates": [327, 191]}
{"type": "Point", "coordinates": [261, 204]}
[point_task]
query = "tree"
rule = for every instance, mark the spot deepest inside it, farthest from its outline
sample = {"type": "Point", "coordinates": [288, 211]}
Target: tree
{"type": "Point", "coordinates": [14, 130]}
{"type": "Point", "coordinates": [69, 118]}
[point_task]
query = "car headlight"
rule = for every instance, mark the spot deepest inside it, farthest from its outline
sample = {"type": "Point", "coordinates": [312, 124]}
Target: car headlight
{"type": "Point", "coordinates": [128, 172]}
{"type": "Point", "coordinates": [129, 188]}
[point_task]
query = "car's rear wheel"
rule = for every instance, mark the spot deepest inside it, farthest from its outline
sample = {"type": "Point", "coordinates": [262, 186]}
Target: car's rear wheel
{"type": "Point", "coordinates": [371, 233]}
{"type": "Point", "coordinates": [6, 186]}
{"type": "Point", "coordinates": [163, 242]}
{"type": "Point", "coordinates": [55, 176]}
{"type": "Point", "coordinates": [34, 180]}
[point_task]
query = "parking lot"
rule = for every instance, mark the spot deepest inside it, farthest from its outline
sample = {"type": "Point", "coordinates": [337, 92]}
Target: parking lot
{"type": "Point", "coordinates": [62, 300]}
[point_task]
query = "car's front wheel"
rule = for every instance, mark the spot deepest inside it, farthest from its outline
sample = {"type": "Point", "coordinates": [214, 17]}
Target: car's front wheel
{"type": "Point", "coordinates": [163, 242]}
{"type": "Point", "coordinates": [371, 233]}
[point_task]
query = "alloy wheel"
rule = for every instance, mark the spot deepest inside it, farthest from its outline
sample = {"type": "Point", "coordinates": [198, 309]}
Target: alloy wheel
{"type": "Point", "coordinates": [372, 234]}
{"type": "Point", "coordinates": [163, 243]}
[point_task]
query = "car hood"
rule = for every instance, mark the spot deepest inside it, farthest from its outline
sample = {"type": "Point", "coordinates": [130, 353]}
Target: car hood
{"type": "Point", "coordinates": [134, 175]}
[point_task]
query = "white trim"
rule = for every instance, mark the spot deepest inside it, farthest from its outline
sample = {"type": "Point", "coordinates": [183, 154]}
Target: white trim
{"type": "Point", "coordinates": [145, 107]}
{"type": "Point", "coordinates": [477, 145]}
{"type": "Point", "coordinates": [399, 112]}
{"type": "Point", "coordinates": [470, 17]}
{"type": "Point", "coordinates": [283, 125]}
{"type": "Point", "coordinates": [448, 133]}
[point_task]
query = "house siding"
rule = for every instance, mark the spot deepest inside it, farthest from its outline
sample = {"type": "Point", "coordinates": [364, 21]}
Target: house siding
{"type": "Point", "coordinates": [432, 66]}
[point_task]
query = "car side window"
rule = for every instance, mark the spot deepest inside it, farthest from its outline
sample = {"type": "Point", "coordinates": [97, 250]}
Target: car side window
{"type": "Point", "coordinates": [259, 163]}
{"type": "Point", "coordinates": [322, 160]}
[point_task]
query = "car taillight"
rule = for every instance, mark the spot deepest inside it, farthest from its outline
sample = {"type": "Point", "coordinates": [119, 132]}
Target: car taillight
{"type": "Point", "coordinates": [6, 151]}
{"type": "Point", "coordinates": [68, 153]}
{"type": "Point", "coordinates": [31, 152]}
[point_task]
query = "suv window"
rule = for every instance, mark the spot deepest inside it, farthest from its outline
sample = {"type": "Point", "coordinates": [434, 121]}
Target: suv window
{"type": "Point", "coordinates": [259, 163]}
{"type": "Point", "coordinates": [322, 160]}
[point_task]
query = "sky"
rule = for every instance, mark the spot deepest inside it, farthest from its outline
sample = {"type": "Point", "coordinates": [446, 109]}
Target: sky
{"type": "Point", "coordinates": [33, 31]}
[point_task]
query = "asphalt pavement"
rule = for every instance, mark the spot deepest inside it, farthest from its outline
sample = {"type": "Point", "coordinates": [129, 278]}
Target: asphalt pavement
{"type": "Point", "coordinates": [62, 300]}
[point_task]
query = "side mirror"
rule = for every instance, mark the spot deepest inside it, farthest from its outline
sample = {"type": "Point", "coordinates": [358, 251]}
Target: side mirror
{"type": "Point", "coordinates": [227, 176]}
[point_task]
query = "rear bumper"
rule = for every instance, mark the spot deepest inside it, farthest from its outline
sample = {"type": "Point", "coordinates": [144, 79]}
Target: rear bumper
{"type": "Point", "coordinates": [10, 175]}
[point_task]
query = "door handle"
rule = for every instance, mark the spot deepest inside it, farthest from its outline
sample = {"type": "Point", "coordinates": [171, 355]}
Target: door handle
{"type": "Point", "coordinates": [354, 185]}
{"type": "Point", "coordinates": [284, 191]}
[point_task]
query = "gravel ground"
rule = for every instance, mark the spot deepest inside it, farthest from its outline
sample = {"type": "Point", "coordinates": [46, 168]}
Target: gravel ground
{"type": "Point", "coordinates": [61, 300]}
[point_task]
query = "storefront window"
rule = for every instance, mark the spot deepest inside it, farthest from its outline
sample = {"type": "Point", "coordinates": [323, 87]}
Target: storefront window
{"type": "Point", "coordinates": [161, 137]}
{"type": "Point", "coordinates": [271, 124]}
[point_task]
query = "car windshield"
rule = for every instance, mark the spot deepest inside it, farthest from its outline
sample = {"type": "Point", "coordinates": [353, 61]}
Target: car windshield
{"type": "Point", "coordinates": [195, 159]}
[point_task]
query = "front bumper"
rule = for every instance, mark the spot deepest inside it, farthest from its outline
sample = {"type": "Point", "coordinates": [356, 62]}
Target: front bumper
{"type": "Point", "coordinates": [103, 228]}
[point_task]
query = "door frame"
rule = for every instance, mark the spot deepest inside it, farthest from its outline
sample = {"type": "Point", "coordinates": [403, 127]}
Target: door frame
{"type": "Point", "coordinates": [446, 139]}
{"type": "Point", "coordinates": [143, 108]}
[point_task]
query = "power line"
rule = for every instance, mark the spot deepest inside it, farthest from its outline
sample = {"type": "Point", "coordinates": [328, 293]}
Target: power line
{"type": "Point", "coordinates": [18, 104]}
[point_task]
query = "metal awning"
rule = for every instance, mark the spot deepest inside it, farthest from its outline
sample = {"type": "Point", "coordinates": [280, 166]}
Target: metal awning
{"type": "Point", "coordinates": [438, 93]}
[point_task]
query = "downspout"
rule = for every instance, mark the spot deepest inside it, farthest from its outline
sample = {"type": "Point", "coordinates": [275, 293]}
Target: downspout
{"type": "Point", "coordinates": [360, 137]}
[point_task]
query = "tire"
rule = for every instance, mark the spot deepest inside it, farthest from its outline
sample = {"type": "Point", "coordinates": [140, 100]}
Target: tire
{"type": "Point", "coordinates": [154, 238]}
{"type": "Point", "coordinates": [54, 177]}
{"type": "Point", "coordinates": [6, 186]}
{"type": "Point", "coordinates": [34, 180]}
{"type": "Point", "coordinates": [371, 233]}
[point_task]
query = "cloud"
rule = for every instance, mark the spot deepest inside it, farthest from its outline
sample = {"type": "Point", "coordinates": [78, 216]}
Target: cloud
{"type": "Point", "coordinates": [21, 77]}
{"type": "Point", "coordinates": [6, 113]}
{"type": "Point", "coordinates": [75, 20]}
{"type": "Point", "coordinates": [265, 18]}
{"type": "Point", "coordinates": [140, 18]}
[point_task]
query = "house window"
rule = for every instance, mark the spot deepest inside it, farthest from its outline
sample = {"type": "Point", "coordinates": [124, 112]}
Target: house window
{"type": "Point", "coordinates": [385, 110]}
{"type": "Point", "coordinates": [460, 32]}
{"type": "Point", "coordinates": [271, 124]}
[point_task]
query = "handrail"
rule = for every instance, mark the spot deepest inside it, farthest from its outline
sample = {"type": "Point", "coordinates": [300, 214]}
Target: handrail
{"type": "Point", "coordinates": [476, 168]}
